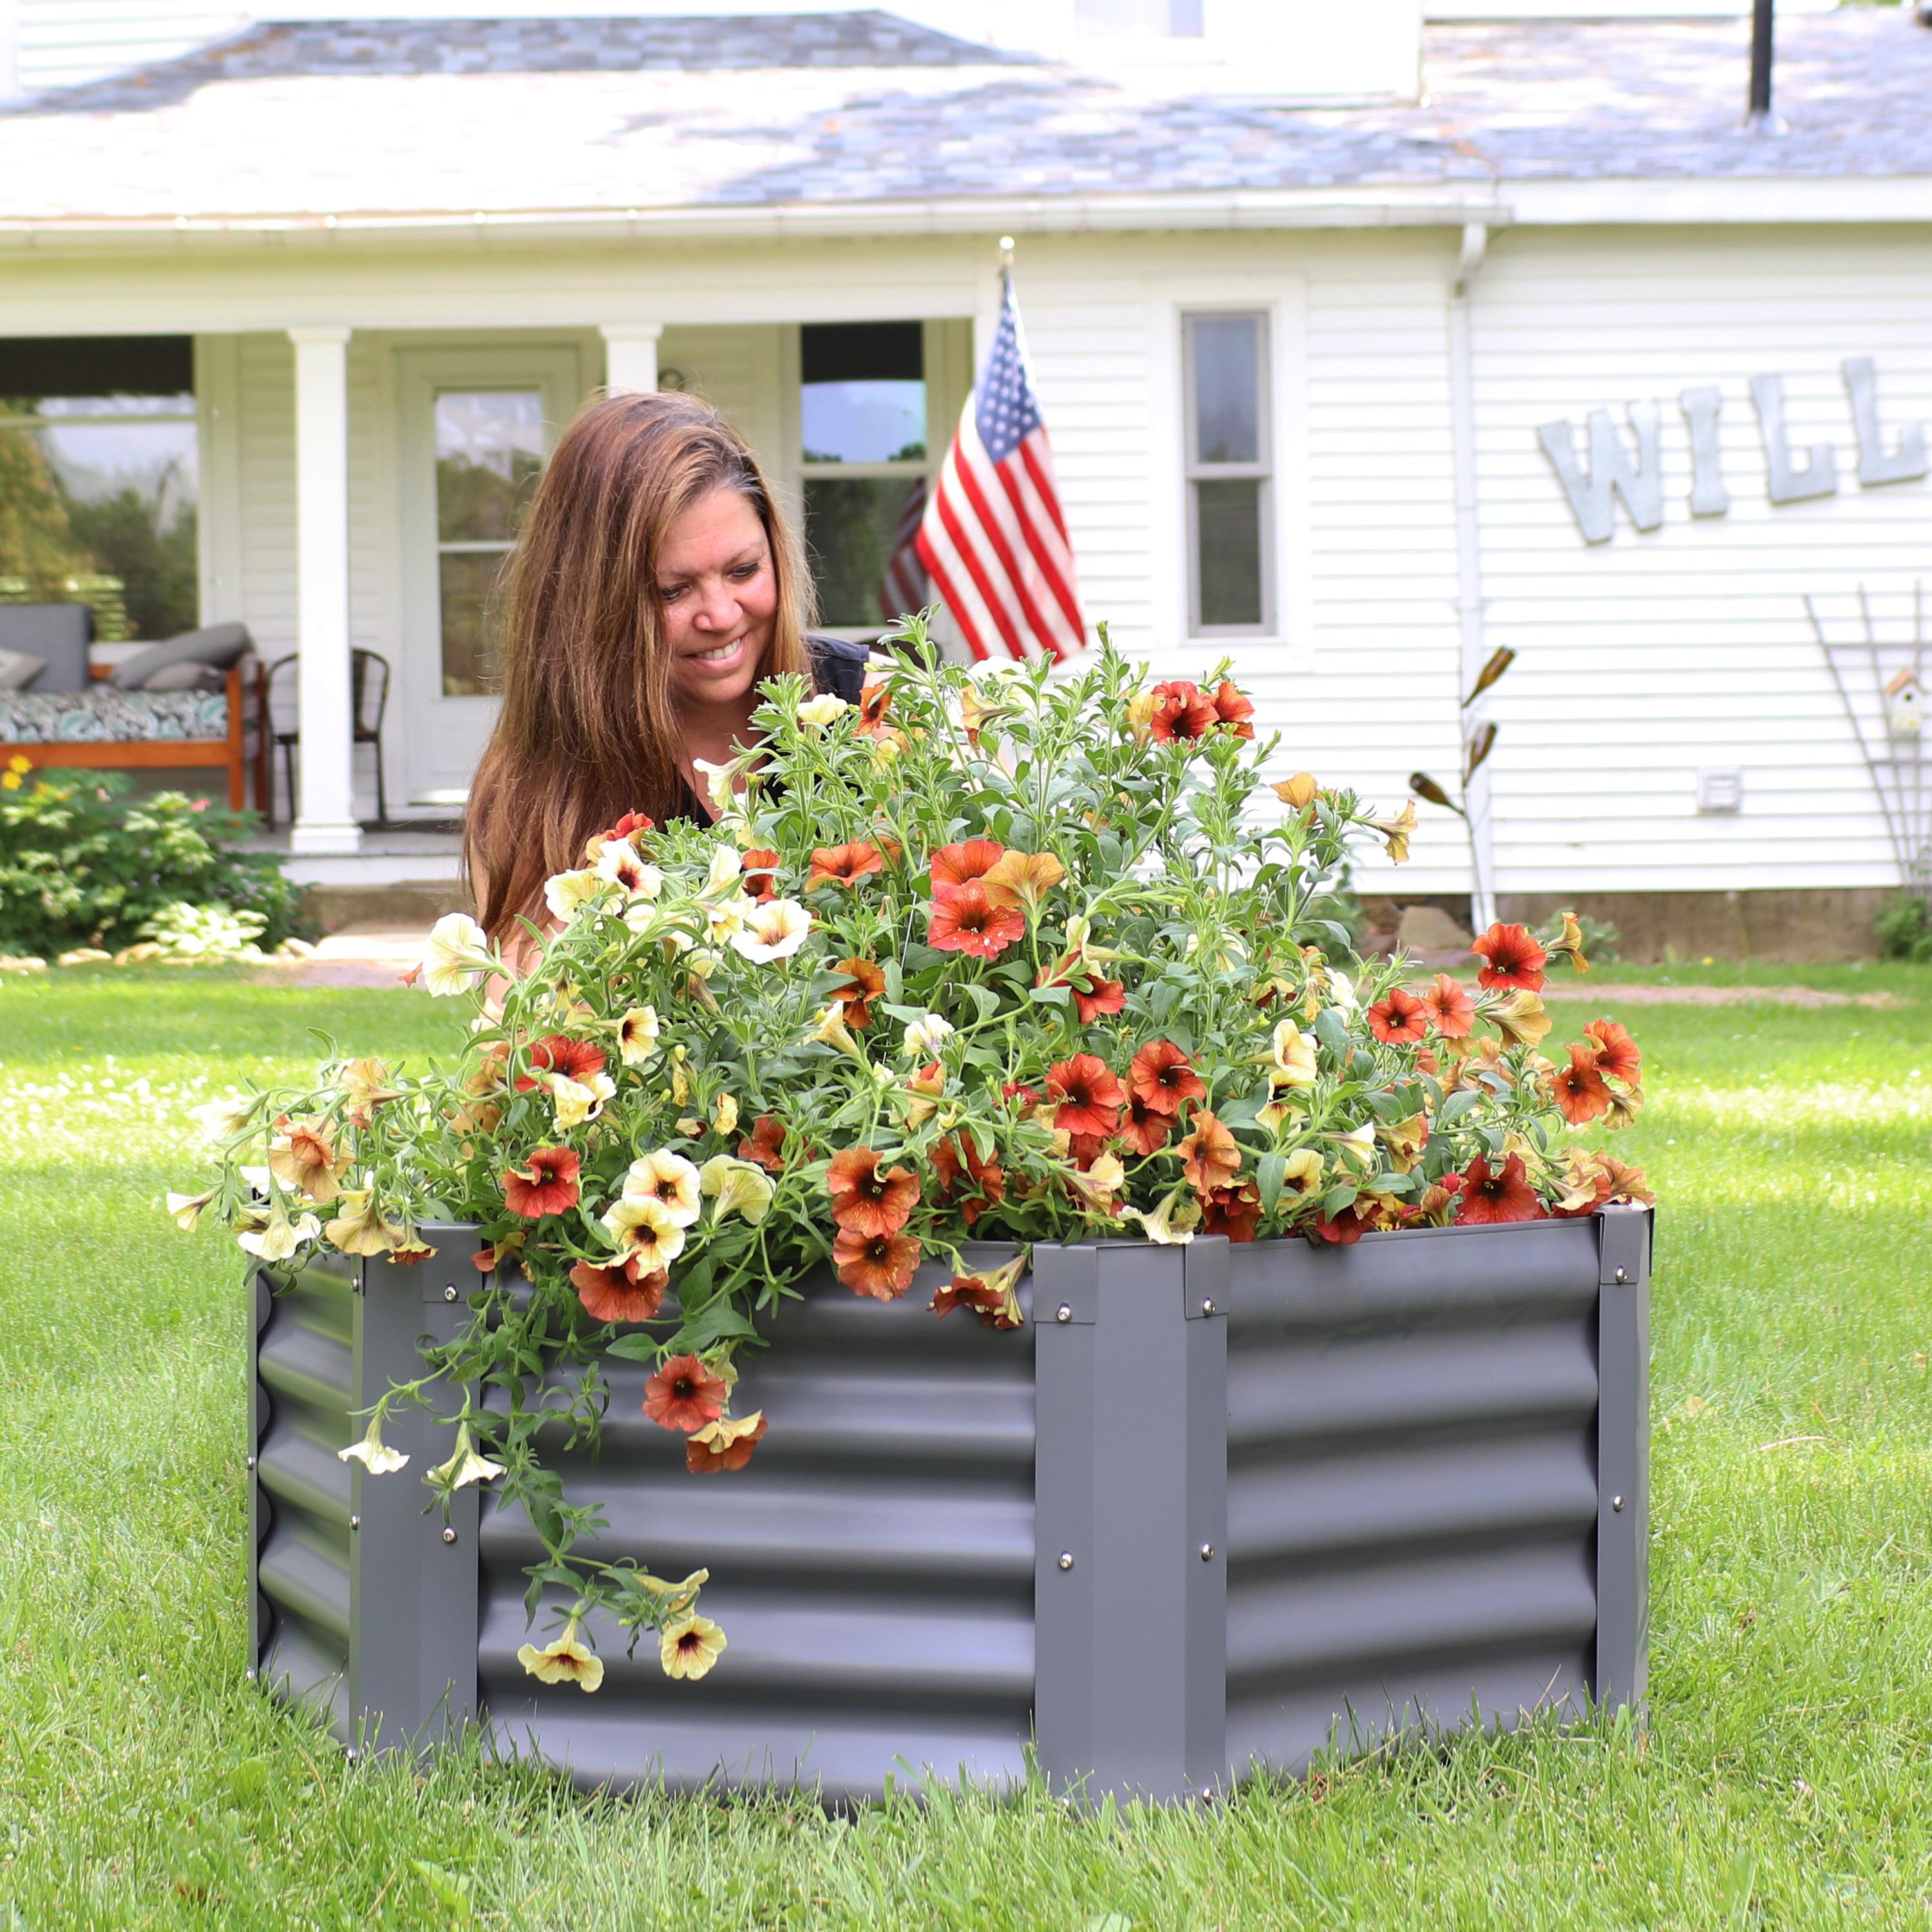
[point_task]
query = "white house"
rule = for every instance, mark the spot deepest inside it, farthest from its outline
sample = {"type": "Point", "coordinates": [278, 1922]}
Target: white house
{"type": "Point", "coordinates": [1367, 347]}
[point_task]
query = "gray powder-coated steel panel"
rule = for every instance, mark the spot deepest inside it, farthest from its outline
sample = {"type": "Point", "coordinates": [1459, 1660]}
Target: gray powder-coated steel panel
{"type": "Point", "coordinates": [1619, 1665]}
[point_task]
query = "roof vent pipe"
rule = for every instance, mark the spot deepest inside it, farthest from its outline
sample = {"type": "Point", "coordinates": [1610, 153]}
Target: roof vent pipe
{"type": "Point", "coordinates": [1759, 119]}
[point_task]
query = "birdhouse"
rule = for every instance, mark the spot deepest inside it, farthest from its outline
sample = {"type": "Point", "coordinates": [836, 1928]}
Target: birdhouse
{"type": "Point", "coordinates": [1905, 705]}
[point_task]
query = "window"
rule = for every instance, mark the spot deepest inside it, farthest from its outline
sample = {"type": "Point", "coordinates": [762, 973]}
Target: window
{"type": "Point", "coordinates": [489, 453]}
{"type": "Point", "coordinates": [1231, 563]}
{"type": "Point", "coordinates": [862, 415]}
{"type": "Point", "coordinates": [99, 481]}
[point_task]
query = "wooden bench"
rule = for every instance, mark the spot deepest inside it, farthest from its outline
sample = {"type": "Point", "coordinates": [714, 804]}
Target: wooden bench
{"type": "Point", "coordinates": [139, 754]}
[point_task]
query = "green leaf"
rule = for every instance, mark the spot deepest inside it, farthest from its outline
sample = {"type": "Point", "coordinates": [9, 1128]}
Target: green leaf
{"type": "Point", "coordinates": [1269, 1173]}
{"type": "Point", "coordinates": [635, 1347]}
{"type": "Point", "coordinates": [1338, 1200]}
{"type": "Point", "coordinates": [1332, 1033]}
{"type": "Point", "coordinates": [1464, 1100]}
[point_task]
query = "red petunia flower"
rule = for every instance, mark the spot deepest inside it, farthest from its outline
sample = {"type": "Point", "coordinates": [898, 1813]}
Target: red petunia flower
{"type": "Point", "coordinates": [1234, 1211]}
{"type": "Point", "coordinates": [987, 1178]}
{"type": "Point", "coordinates": [1398, 1018]}
{"type": "Point", "coordinates": [1103, 996]}
{"type": "Point", "coordinates": [844, 865]}
{"type": "Point", "coordinates": [963, 919]}
{"type": "Point", "coordinates": [558, 1053]}
{"type": "Point", "coordinates": [1025, 1098]}
{"type": "Point", "coordinates": [624, 1294]}
{"type": "Point", "coordinates": [765, 1144]}
{"type": "Point", "coordinates": [1493, 1194]}
{"type": "Point", "coordinates": [1579, 1090]}
{"type": "Point", "coordinates": [864, 983]}
{"type": "Point", "coordinates": [971, 859]}
{"type": "Point", "coordinates": [1144, 1131]}
{"type": "Point", "coordinates": [1085, 1149]}
{"type": "Point", "coordinates": [864, 1201]}
{"type": "Point", "coordinates": [631, 822]}
{"type": "Point", "coordinates": [875, 701]}
{"type": "Point", "coordinates": [1514, 958]}
{"type": "Point", "coordinates": [1086, 1096]}
{"type": "Point", "coordinates": [1209, 1156]}
{"type": "Point", "coordinates": [878, 1266]}
{"type": "Point", "coordinates": [1182, 713]}
{"type": "Point", "coordinates": [760, 880]}
{"type": "Point", "coordinates": [1451, 1010]}
{"type": "Point", "coordinates": [546, 1183]}
{"type": "Point", "coordinates": [1233, 710]}
{"type": "Point", "coordinates": [1616, 1051]}
{"type": "Point", "coordinates": [1161, 1077]}
{"type": "Point", "coordinates": [684, 1395]}
{"type": "Point", "coordinates": [1338, 1230]}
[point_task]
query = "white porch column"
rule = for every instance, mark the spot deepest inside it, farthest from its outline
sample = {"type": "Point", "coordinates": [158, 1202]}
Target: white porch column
{"type": "Point", "coordinates": [630, 355]}
{"type": "Point", "coordinates": [324, 819]}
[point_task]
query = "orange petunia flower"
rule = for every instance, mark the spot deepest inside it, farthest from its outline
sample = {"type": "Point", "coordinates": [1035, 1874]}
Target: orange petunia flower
{"type": "Point", "coordinates": [1617, 1055]}
{"type": "Point", "coordinates": [1102, 996]}
{"type": "Point", "coordinates": [864, 1201]}
{"type": "Point", "coordinates": [964, 918]}
{"type": "Point", "coordinates": [1338, 1230]}
{"type": "Point", "coordinates": [1233, 710]}
{"type": "Point", "coordinates": [875, 701]}
{"type": "Point", "coordinates": [558, 1053]}
{"type": "Point", "coordinates": [988, 1179]}
{"type": "Point", "coordinates": [1451, 1007]}
{"type": "Point", "coordinates": [761, 878]}
{"type": "Point", "coordinates": [1086, 1096]}
{"type": "Point", "coordinates": [1579, 1089]}
{"type": "Point", "coordinates": [546, 1183]}
{"type": "Point", "coordinates": [1234, 1211]}
{"type": "Point", "coordinates": [1210, 1157]}
{"type": "Point", "coordinates": [1398, 1018]}
{"type": "Point", "coordinates": [765, 1144]}
{"type": "Point", "coordinates": [624, 1294]}
{"type": "Point", "coordinates": [1161, 1077]}
{"type": "Point", "coordinates": [1182, 712]}
{"type": "Point", "coordinates": [971, 859]}
{"type": "Point", "coordinates": [1491, 1195]}
{"type": "Point", "coordinates": [723, 1445]}
{"type": "Point", "coordinates": [843, 865]}
{"type": "Point", "coordinates": [878, 1266]}
{"type": "Point", "coordinates": [864, 983]}
{"type": "Point", "coordinates": [993, 1298]}
{"type": "Point", "coordinates": [1144, 1131]}
{"type": "Point", "coordinates": [684, 1395]}
{"type": "Point", "coordinates": [1513, 958]}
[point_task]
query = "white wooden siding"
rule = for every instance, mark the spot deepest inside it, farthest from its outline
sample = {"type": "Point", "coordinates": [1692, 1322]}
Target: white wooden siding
{"type": "Point", "coordinates": [64, 41]}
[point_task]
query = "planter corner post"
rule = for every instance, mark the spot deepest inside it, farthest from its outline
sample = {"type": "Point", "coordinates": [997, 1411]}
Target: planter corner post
{"type": "Point", "coordinates": [1620, 1661]}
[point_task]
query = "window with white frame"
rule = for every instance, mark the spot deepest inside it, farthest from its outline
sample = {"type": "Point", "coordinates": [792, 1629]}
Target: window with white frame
{"type": "Point", "coordinates": [1229, 467]}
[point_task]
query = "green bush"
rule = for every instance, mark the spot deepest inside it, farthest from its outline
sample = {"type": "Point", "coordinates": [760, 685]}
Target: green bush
{"type": "Point", "coordinates": [82, 864]}
{"type": "Point", "coordinates": [1905, 929]}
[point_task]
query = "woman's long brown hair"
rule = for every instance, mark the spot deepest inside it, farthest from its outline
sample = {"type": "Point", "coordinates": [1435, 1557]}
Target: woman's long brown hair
{"type": "Point", "coordinates": [588, 729]}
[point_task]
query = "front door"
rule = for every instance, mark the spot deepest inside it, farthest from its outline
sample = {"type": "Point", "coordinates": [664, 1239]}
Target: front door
{"type": "Point", "coordinates": [477, 425]}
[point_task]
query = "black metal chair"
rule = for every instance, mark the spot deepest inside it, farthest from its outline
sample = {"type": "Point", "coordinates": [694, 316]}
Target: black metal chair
{"type": "Point", "coordinates": [369, 699]}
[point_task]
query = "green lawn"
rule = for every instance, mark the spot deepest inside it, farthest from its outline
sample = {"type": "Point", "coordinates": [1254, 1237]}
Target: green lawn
{"type": "Point", "coordinates": [1786, 1778]}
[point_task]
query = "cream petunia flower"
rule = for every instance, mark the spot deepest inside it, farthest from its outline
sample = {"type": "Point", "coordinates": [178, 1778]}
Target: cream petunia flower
{"type": "Point", "coordinates": [722, 875]}
{"type": "Point", "coordinates": [730, 916]}
{"type": "Point", "coordinates": [278, 1239]}
{"type": "Point", "coordinates": [186, 1209]}
{"type": "Point", "coordinates": [689, 1647]}
{"type": "Point", "coordinates": [637, 1036]}
{"type": "Point", "coordinates": [668, 1179]}
{"type": "Point", "coordinates": [565, 892]}
{"type": "Point", "coordinates": [619, 864]}
{"type": "Point", "coordinates": [564, 1661]}
{"type": "Point", "coordinates": [822, 709]}
{"type": "Point", "coordinates": [1172, 1223]}
{"type": "Point", "coordinates": [222, 1119]}
{"type": "Point", "coordinates": [738, 1188]}
{"type": "Point", "coordinates": [646, 1229]}
{"type": "Point", "coordinates": [373, 1454]}
{"type": "Point", "coordinates": [359, 1228]}
{"type": "Point", "coordinates": [1291, 1060]}
{"type": "Point", "coordinates": [924, 1037]}
{"type": "Point", "coordinates": [457, 952]}
{"type": "Point", "coordinates": [466, 1466]}
{"type": "Point", "coordinates": [576, 1101]}
{"type": "Point", "coordinates": [776, 930]}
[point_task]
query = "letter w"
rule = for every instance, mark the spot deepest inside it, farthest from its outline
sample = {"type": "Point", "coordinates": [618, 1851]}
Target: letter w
{"type": "Point", "coordinates": [1641, 485]}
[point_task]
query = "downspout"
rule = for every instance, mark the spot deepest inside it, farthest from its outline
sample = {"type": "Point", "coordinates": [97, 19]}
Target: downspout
{"type": "Point", "coordinates": [1469, 608]}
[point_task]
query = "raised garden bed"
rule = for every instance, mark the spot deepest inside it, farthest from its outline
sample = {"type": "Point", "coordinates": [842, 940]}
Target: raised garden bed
{"type": "Point", "coordinates": [1222, 1508]}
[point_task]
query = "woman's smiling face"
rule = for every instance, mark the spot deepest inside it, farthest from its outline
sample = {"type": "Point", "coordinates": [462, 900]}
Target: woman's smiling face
{"type": "Point", "coordinates": [720, 598]}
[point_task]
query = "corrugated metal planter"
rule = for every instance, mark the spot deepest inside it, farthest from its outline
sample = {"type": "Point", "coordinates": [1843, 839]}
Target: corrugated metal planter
{"type": "Point", "coordinates": [1219, 1508]}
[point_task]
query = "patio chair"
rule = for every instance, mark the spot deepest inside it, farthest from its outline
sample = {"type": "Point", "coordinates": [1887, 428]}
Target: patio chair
{"type": "Point", "coordinates": [369, 699]}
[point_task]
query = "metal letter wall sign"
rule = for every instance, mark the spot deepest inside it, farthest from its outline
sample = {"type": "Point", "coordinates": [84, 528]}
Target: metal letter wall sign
{"type": "Point", "coordinates": [1790, 476]}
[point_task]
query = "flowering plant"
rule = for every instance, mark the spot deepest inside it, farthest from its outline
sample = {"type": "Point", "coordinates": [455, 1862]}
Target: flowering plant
{"type": "Point", "coordinates": [1019, 959]}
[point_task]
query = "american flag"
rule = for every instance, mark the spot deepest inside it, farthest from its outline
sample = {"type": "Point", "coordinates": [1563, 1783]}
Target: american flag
{"type": "Point", "coordinates": [992, 536]}
{"type": "Point", "coordinates": [903, 587]}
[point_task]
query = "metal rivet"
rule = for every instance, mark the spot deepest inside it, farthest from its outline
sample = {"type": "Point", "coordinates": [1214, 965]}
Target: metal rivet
{"type": "Point", "coordinates": [1207, 1552]}
{"type": "Point", "coordinates": [1623, 1274]}
{"type": "Point", "coordinates": [351, 1755]}
{"type": "Point", "coordinates": [355, 1523]}
{"type": "Point", "coordinates": [1207, 1794]}
{"type": "Point", "coordinates": [1616, 1502]}
{"type": "Point", "coordinates": [1207, 1306]}
{"type": "Point", "coordinates": [1067, 1559]}
{"type": "Point", "coordinates": [1063, 1313]}
{"type": "Point", "coordinates": [449, 1293]}
{"type": "Point", "coordinates": [449, 1536]}
{"type": "Point", "coordinates": [251, 1462]}
{"type": "Point", "coordinates": [249, 1676]}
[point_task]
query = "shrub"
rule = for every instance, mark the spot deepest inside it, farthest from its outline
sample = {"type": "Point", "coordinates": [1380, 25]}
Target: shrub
{"type": "Point", "coordinates": [1905, 929]}
{"type": "Point", "coordinates": [83, 865]}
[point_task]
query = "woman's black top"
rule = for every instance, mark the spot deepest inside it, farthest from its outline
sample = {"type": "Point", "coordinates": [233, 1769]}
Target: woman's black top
{"type": "Point", "coordinates": [837, 667]}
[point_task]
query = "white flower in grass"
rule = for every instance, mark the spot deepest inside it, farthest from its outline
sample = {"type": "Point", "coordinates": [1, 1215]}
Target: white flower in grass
{"type": "Point", "coordinates": [576, 1101]}
{"type": "Point", "coordinates": [373, 1454]}
{"type": "Point", "coordinates": [457, 952]}
{"type": "Point", "coordinates": [925, 1037]}
{"type": "Point", "coordinates": [637, 1036]}
{"type": "Point", "coordinates": [669, 1179]}
{"type": "Point", "coordinates": [773, 930]}
{"type": "Point", "coordinates": [565, 892]}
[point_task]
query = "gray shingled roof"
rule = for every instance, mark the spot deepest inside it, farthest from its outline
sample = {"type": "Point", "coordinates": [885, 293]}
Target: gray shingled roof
{"type": "Point", "coordinates": [375, 118]}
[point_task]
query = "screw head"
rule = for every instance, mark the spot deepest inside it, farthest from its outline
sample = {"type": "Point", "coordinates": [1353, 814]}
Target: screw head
{"type": "Point", "coordinates": [1207, 1794]}
{"type": "Point", "coordinates": [449, 1536]}
{"type": "Point", "coordinates": [249, 1676]}
{"type": "Point", "coordinates": [1207, 1552]}
{"type": "Point", "coordinates": [1623, 1274]}
{"type": "Point", "coordinates": [1063, 1313]}
{"type": "Point", "coordinates": [251, 1462]}
{"type": "Point", "coordinates": [449, 1293]}
{"type": "Point", "coordinates": [355, 1523]}
{"type": "Point", "coordinates": [349, 1755]}
{"type": "Point", "coordinates": [1207, 1306]}
{"type": "Point", "coordinates": [1067, 1559]}
{"type": "Point", "coordinates": [1616, 1502]}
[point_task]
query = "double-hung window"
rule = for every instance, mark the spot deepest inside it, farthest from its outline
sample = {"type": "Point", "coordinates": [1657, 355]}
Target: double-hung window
{"type": "Point", "coordinates": [1231, 588]}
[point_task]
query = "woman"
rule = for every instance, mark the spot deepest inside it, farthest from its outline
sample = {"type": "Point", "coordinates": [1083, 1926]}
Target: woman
{"type": "Point", "coordinates": [654, 583]}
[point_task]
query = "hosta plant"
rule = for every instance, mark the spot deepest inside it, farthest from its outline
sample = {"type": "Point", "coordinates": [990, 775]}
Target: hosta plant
{"type": "Point", "coordinates": [1011, 959]}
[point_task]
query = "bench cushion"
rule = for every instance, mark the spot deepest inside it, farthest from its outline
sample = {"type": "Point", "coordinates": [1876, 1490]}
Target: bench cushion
{"type": "Point", "coordinates": [105, 716]}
